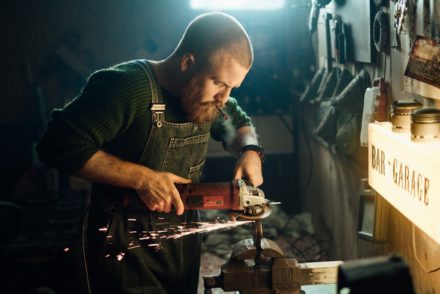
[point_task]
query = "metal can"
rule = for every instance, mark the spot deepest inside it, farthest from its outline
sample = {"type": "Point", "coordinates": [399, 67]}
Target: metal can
{"type": "Point", "coordinates": [401, 114]}
{"type": "Point", "coordinates": [425, 124]}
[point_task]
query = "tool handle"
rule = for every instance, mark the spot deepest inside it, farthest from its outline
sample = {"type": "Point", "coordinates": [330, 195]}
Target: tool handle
{"type": "Point", "coordinates": [218, 195]}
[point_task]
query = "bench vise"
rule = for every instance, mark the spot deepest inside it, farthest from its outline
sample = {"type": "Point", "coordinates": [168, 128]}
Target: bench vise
{"type": "Point", "coordinates": [253, 270]}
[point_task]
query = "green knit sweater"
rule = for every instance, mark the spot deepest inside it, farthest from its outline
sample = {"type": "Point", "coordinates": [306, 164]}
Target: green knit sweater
{"type": "Point", "coordinates": [112, 114]}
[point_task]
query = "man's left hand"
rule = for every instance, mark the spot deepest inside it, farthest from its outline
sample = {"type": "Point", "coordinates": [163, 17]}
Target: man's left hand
{"type": "Point", "coordinates": [248, 168]}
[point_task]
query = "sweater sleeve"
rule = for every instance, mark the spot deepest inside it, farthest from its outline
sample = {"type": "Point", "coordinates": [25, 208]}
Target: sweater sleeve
{"type": "Point", "coordinates": [101, 112]}
{"type": "Point", "coordinates": [222, 129]}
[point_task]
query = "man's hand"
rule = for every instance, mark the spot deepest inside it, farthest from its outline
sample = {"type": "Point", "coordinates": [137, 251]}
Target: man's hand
{"type": "Point", "coordinates": [248, 167]}
{"type": "Point", "coordinates": [155, 189]}
{"type": "Point", "coordinates": [159, 192]}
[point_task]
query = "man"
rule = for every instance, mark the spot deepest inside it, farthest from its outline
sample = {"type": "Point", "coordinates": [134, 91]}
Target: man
{"type": "Point", "coordinates": [141, 127]}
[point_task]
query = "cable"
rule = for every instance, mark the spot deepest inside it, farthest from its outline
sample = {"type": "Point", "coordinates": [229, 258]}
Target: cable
{"type": "Point", "coordinates": [83, 248]}
{"type": "Point", "coordinates": [309, 152]}
{"type": "Point", "coordinates": [286, 124]}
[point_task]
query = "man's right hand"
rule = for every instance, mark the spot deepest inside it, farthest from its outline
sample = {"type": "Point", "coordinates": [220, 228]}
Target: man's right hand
{"type": "Point", "coordinates": [159, 192]}
{"type": "Point", "coordinates": [156, 189]}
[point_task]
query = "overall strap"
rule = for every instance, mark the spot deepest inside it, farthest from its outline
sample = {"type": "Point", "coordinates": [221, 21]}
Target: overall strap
{"type": "Point", "coordinates": [157, 106]}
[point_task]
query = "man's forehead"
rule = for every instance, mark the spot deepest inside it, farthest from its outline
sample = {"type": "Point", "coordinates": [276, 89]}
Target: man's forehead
{"type": "Point", "coordinates": [227, 69]}
{"type": "Point", "coordinates": [220, 56]}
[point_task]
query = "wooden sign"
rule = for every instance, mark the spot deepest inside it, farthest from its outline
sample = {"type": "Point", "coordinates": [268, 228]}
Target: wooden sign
{"type": "Point", "coordinates": [407, 175]}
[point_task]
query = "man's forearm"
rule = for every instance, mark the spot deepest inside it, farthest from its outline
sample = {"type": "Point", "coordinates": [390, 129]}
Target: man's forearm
{"type": "Point", "coordinates": [156, 189]}
{"type": "Point", "coordinates": [108, 169]}
{"type": "Point", "coordinates": [242, 137]}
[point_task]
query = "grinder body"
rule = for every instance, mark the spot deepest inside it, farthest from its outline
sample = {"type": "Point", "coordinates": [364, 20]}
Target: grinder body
{"type": "Point", "coordinates": [234, 195]}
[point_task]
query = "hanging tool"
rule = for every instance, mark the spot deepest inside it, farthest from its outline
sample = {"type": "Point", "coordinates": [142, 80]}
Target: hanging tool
{"type": "Point", "coordinates": [340, 41]}
{"type": "Point", "coordinates": [314, 13]}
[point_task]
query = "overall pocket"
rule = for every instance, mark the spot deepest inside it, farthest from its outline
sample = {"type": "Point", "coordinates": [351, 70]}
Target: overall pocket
{"type": "Point", "coordinates": [182, 154]}
{"type": "Point", "coordinates": [195, 172]}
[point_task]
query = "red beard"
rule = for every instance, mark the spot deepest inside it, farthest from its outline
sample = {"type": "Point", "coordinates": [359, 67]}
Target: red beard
{"type": "Point", "coordinates": [196, 111]}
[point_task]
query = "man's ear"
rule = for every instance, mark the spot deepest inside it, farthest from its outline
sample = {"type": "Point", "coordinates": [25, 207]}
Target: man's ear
{"type": "Point", "coordinates": [187, 62]}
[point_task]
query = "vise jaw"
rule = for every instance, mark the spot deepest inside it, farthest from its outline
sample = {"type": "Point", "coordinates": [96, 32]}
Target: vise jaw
{"type": "Point", "coordinates": [246, 272]}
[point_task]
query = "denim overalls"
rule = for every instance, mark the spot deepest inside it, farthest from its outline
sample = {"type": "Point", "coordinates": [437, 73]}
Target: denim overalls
{"type": "Point", "coordinates": [179, 148]}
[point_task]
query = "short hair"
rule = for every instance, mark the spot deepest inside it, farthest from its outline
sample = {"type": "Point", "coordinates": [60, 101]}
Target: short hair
{"type": "Point", "coordinates": [210, 32]}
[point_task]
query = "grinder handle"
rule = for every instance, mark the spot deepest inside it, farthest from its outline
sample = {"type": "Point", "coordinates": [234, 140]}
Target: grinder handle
{"type": "Point", "coordinates": [217, 195]}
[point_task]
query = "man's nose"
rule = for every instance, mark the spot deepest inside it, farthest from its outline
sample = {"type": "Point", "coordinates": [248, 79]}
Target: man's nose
{"type": "Point", "coordinates": [223, 96]}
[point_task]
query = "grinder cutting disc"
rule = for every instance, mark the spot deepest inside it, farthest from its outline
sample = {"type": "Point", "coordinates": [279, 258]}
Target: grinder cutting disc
{"type": "Point", "coordinates": [252, 213]}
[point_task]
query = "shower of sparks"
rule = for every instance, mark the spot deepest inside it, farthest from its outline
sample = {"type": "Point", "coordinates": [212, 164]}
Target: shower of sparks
{"type": "Point", "coordinates": [201, 227]}
{"type": "Point", "coordinates": [167, 230]}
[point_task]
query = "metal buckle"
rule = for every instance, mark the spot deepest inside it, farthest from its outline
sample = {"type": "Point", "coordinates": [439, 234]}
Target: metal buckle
{"type": "Point", "coordinates": [158, 110]}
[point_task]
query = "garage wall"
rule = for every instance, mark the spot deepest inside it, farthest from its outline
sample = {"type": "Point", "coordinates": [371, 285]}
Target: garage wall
{"type": "Point", "coordinates": [332, 190]}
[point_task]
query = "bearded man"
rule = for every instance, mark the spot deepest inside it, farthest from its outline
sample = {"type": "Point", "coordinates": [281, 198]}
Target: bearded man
{"type": "Point", "coordinates": [139, 128]}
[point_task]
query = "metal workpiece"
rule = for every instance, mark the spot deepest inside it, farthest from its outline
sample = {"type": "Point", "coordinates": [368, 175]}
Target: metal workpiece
{"type": "Point", "coordinates": [257, 233]}
{"type": "Point", "coordinates": [247, 249]}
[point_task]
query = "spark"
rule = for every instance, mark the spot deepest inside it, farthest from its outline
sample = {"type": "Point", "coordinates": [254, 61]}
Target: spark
{"type": "Point", "coordinates": [155, 246]}
{"type": "Point", "coordinates": [120, 256]}
{"type": "Point", "coordinates": [131, 219]}
{"type": "Point", "coordinates": [67, 249]}
{"type": "Point", "coordinates": [103, 229]}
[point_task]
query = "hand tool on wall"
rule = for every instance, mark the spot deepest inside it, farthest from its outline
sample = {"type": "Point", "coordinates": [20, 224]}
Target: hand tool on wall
{"type": "Point", "coordinates": [400, 15]}
{"type": "Point", "coordinates": [314, 13]}
{"type": "Point", "coordinates": [328, 41]}
{"type": "Point", "coordinates": [340, 41]}
{"type": "Point", "coordinates": [330, 77]}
